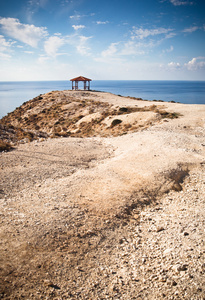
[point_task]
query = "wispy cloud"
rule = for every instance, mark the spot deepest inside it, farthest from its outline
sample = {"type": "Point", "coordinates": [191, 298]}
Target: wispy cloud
{"type": "Point", "coordinates": [42, 59]}
{"type": "Point", "coordinates": [75, 17]}
{"type": "Point", "coordinates": [29, 52]}
{"type": "Point", "coordinates": [191, 29]}
{"type": "Point", "coordinates": [77, 27]}
{"type": "Point", "coordinates": [131, 48]}
{"type": "Point", "coordinates": [78, 16]}
{"type": "Point", "coordinates": [140, 42]}
{"type": "Point", "coordinates": [53, 44]}
{"type": "Point", "coordinates": [39, 3]}
{"type": "Point", "coordinates": [120, 50]}
{"type": "Point", "coordinates": [4, 47]}
{"type": "Point", "coordinates": [102, 22]}
{"type": "Point", "coordinates": [28, 34]}
{"type": "Point", "coordinates": [32, 7]}
{"type": "Point", "coordinates": [170, 35]}
{"type": "Point", "coordinates": [141, 33]}
{"type": "Point", "coordinates": [5, 55]}
{"type": "Point", "coordinates": [180, 2]}
{"type": "Point", "coordinates": [112, 49]}
{"type": "Point", "coordinates": [136, 48]}
{"type": "Point", "coordinates": [170, 49]}
{"type": "Point", "coordinates": [82, 46]}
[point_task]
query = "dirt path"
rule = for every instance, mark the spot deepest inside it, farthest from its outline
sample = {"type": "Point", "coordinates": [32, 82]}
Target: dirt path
{"type": "Point", "coordinates": [106, 218]}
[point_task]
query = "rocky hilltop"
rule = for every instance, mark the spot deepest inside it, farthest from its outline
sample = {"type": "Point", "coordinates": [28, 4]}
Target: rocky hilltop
{"type": "Point", "coordinates": [77, 114]}
{"type": "Point", "coordinates": [102, 197]}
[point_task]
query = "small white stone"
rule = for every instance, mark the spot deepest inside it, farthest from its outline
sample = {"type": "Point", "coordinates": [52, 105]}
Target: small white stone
{"type": "Point", "coordinates": [168, 251]}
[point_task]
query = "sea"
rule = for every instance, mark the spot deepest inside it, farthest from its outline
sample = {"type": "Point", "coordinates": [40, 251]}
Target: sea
{"type": "Point", "coordinates": [13, 94]}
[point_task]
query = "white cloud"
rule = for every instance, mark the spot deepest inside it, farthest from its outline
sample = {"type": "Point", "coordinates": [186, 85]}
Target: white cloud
{"type": "Point", "coordinates": [75, 17]}
{"type": "Point", "coordinates": [39, 3]}
{"type": "Point", "coordinates": [33, 6]}
{"type": "Point", "coordinates": [130, 48]}
{"type": "Point", "coordinates": [168, 50]}
{"type": "Point", "coordinates": [141, 42]}
{"type": "Point", "coordinates": [29, 52]}
{"type": "Point", "coordinates": [42, 59]}
{"type": "Point", "coordinates": [4, 55]}
{"type": "Point", "coordinates": [174, 65]}
{"type": "Point", "coordinates": [77, 27]}
{"type": "Point", "coordinates": [112, 49]}
{"type": "Point", "coordinates": [119, 52]}
{"type": "Point", "coordinates": [180, 2]}
{"type": "Point", "coordinates": [28, 34]}
{"type": "Point", "coordinates": [102, 22]}
{"type": "Point", "coordinates": [170, 35]}
{"type": "Point", "coordinates": [4, 47]}
{"type": "Point", "coordinates": [133, 48]}
{"type": "Point", "coordinates": [52, 45]}
{"type": "Point", "coordinates": [196, 63]}
{"type": "Point", "coordinates": [79, 42]}
{"type": "Point", "coordinates": [81, 46]}
{"type": "Point", "coordinates": [140, 33]}
{"type": "Point", "coordinates": [64, 2]}
{"type": "Point", "coordinates": [191, 29]}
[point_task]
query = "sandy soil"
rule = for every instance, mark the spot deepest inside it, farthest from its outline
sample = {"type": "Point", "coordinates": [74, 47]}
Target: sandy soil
{"type": "Point", "coordinates": [107, 218]}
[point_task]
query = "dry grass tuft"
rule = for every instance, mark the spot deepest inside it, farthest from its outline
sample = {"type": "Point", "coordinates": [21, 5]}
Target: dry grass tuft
{"type": "Point", "coordinates": [177, 176]}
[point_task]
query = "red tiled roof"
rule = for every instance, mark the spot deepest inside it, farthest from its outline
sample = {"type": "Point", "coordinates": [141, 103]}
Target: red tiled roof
{"type": "Point", "coordinates": [80, 78]}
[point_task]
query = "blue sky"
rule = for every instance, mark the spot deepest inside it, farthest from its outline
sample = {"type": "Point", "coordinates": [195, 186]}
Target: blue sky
{"type": "Point", "coordinates": [110, 39]}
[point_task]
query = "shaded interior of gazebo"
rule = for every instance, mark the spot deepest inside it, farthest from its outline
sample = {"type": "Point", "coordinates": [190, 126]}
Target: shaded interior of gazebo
{"type": "Point", "coordinates": [85, 80]}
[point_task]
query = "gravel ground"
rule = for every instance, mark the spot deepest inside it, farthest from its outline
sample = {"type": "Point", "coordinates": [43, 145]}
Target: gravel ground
{"type": "Point", "coordinates": [106, 218]}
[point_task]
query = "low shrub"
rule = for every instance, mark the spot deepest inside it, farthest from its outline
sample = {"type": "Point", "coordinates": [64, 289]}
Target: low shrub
{"type": "Point", "coordinates": [115, 122]}
{"type": "Point", "coordinates": [123, 109]}
{"type": "Point", "coordinates": [165, 114]}
{"type": "Point", "coordinates": [4, 146]}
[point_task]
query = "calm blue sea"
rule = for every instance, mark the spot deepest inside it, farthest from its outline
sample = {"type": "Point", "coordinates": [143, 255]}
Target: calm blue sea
{"type": "Point", "coordinates": [13, 94]}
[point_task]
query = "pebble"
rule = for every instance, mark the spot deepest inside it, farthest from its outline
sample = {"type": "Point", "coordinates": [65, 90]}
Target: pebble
{"type": "Point", "coordinates": [159, 228]}
{"type": "Point", "coordinates": [168, 251]}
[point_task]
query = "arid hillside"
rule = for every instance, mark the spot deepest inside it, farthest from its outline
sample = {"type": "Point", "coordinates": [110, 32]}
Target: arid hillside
{"type": "Point", "coordinates": [102, 197]}
{"type": "Point", "coordinates": [77, 114]}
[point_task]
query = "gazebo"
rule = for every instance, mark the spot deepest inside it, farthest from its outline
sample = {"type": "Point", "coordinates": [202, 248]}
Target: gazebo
{"type": "Point", "coordinates": [81, 78]}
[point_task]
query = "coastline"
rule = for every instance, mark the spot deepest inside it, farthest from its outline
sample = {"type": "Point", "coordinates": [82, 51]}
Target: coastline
{"type": "Point", "coordinates": [13, 94]}
{"type": "Point", "coordinates": [104, 217]}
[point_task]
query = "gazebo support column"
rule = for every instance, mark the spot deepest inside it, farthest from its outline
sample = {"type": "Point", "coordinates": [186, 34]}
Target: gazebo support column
{"type": "Point", "coordinates": [86, 82]}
